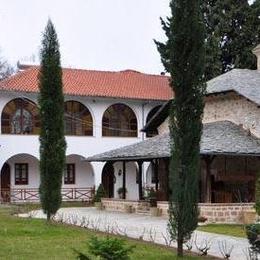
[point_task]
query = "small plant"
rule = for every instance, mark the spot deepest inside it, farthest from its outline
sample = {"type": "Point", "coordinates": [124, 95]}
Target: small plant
{"type": "Point", "coordinates": [108, 248]}
{"type": "Point", "coordinates": [253, 235]}
{"type": "Point", "coordinates": [100, 193]}
{"type": "Point", "coordinates": [152, 197]}
{"type": "Point", "coordinates": [120, 192]}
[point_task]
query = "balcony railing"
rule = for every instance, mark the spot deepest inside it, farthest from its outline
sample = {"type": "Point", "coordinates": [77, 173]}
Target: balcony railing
{"type": "Point", "coordinates": [32, 195]}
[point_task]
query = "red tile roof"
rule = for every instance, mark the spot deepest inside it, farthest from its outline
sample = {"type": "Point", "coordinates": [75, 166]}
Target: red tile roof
{"type": "Point", "coordinates": [123, 84]}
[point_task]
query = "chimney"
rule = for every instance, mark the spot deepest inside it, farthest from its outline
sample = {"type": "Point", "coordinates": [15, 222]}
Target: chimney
{"type": "Point", "coordinates": [256, 51]}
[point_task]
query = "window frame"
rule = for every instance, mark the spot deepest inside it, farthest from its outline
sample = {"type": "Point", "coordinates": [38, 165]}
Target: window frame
{"type": "Point", "coordinates": [119, 120]}
{"type": "Point", "coordinates": [74, 122]}
{"type": "Point", "coordinates": [20, 180]}
{"type": "Point", "coordinates": [70, 180]}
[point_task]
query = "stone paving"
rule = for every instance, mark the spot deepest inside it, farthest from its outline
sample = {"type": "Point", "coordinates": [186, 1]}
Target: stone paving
{"type": "Point", "coordinates": [144, 227]}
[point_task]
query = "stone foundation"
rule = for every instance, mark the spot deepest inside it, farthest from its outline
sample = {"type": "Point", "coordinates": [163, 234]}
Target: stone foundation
{"type": "Point", "coordinates": [219, 212]}
{"type": "Point", "coordinates": [121, 205]}
{"type": "Point", "coordinates": [213, 212]}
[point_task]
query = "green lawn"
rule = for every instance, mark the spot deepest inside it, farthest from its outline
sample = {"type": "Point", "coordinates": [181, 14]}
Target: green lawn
{"type": "Point", "coordinates": [225, 229]}
{"type": "Point", "coordinates": [34, 239]}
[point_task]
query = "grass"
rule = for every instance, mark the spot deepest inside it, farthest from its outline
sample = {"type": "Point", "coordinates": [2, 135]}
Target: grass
{"type": "Point", "coordinates": [35, 239]}
{"type": "Point", "coordinates": [235, 230]}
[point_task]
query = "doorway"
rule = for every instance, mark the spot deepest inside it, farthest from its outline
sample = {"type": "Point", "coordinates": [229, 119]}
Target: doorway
{"type": "Point", "coordinates": [5, 183]}
{"type": "Point", "coordinates": [108, 179]}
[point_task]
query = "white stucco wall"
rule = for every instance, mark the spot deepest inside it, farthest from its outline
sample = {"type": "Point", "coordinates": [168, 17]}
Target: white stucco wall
{"type": "Point", "coordinates": [84, 146]}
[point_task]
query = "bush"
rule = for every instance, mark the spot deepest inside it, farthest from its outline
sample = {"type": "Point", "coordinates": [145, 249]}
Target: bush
{"type": "Point", "coordinates": [100, 193]}
{"type": "Point", "coordinates": [253, 235]}
{"type": "Point", "coordinates": [108, 248]}
{"type": "Point", "coordinates": [152, 197]}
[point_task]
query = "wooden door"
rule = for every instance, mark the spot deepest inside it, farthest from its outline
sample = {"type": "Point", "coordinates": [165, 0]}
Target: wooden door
{"type": "Point", "coordinates": [5, 183]}
{"type": "Point", "coordinates": [108, 179]}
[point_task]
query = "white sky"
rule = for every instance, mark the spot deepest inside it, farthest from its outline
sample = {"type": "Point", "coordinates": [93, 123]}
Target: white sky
{"type": "Point", "coordinates": [93, 34]}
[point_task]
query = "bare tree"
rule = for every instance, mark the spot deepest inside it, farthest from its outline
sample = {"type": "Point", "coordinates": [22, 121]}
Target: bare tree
{"type": "Point", "coordinates": [5, 68]}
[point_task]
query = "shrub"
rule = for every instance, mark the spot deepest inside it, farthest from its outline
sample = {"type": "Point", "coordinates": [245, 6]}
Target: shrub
{"type": "Point", "coordinates": [108, 248]}
{"type": "Point", "coordinates": [100, 193]}
{"type": "Point", "coordinates": [253, 235]}
{"type": "Point", "coordinates": [152, 197]}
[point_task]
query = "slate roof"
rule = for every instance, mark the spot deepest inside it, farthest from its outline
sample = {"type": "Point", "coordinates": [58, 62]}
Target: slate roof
{"type": "Point", "coordinates": [222, 137]}
{"type": "Point", "coordinates": [116, 84]}
{"type": "Point", "coordinates": [243, 81]}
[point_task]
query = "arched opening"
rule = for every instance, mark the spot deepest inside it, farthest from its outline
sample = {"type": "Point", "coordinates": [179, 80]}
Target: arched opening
{"type": "Point", "coordinates": [119, 120]}
{"type": "Point", "coordinates": [78, 119]}
{"type": "Point", "coordinates": [152, 132]}
{"type": "Point", "coordinates": [20, 116]}
{"type": "Point", "coordinates": [108, 179]}
{"type": "Point", "coordinates": [20, 179]}
{"type": "Point", "coordinates": [78, 173]}
{"type": "Point", "coordinates": [5, 183]}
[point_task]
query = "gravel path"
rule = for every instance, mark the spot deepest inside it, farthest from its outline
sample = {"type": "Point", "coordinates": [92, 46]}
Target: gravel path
{"type": "Point", "coordinates": [144, 227]}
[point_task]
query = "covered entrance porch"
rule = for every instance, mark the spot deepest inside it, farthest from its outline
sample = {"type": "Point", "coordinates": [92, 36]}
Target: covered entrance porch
{"type": "Point", "coordinates": [229, 166]}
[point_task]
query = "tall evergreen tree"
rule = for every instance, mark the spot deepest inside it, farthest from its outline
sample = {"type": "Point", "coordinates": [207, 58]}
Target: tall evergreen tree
{"type": "Point", "coordinates": [230, 36]}
{"type": "Point", "coordinates": [183, 56]}
{"type": "Point", "coordinates": [52, 141]}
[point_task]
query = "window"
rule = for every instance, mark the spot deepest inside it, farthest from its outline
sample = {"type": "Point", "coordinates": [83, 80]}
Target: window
{"type": "Point", "coordinates": [119, 120]}
{"type": "Point", "coordinates": [21, 174]}
{"type": "Point", "coordinates": [78, 120]}
{"type": "Point", "coordinates": [69, 175]}
{"type": "Point", "coordinates": [20, 116]}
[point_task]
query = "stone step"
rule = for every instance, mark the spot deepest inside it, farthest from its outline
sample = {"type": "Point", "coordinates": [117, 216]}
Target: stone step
{"type": "Point", "coordinates": [146, 213]}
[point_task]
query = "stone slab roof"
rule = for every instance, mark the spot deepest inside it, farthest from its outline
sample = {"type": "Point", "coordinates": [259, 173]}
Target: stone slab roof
{"type": "Point", "coordinates": [243, 81]}
{"type": "Point", "coordinates": [219, 138]}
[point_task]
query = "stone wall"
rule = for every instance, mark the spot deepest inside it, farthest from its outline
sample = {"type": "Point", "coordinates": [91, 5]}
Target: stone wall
{"type": "Point", "coordinates": [213, 212]}
{"type": "Point", "coordinates": [120, 205]}
{"type": "Point", "coordinates": [230, 107]}
{"type": "Point", "coordinates": [234, 108]}
{"type": "Point", "coordinates": [219, 212]}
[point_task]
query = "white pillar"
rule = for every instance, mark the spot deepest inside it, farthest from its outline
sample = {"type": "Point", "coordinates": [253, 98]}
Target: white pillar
{"type": "Point", "coordinates": [98, 168]}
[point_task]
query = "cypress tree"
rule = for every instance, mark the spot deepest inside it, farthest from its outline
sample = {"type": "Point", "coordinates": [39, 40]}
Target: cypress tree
{"type": "Point", "coordinates": [183, 56]}
{"type": "Point", "coordinates": [52, 141]}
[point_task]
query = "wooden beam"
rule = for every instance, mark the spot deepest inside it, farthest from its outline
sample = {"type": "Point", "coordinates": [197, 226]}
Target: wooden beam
{"type": "Point", "coordinates": [124, 181]}
{"type": "Point", "coordinates": [140, 179]}
{"type": "Point", "coordinates": [156, 174]}
{"type": "Point", "coordinates": [206, 182]}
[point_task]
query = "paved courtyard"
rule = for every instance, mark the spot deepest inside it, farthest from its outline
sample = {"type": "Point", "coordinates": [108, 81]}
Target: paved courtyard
{"type": "Point", "coordinates": [148, 228]}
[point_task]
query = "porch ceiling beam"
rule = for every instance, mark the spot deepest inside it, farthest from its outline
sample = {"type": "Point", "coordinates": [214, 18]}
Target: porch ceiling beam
{"type": "Point", "coordinates": [140, 179]}
{"type": "Point", "coordinates": [124, 180]}
{"type": "Point", "coordinates": [206, 179]}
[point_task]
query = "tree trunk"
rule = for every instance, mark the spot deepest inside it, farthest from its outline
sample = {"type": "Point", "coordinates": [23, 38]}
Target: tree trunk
{"type": "Point", "coordinates": [48, 217]}
{"type": "Point", "coordinates": [180, 247]}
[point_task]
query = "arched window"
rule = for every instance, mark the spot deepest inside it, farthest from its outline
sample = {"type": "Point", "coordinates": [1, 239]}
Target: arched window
{"type": "Point", "coordinates": [119, 120]}
{"type": "Point", "coordinates": [78, 119]}
{"type": "Point", "coordinates": [20, 116]}
{"type": "Point", "coordinates": [152, 132]}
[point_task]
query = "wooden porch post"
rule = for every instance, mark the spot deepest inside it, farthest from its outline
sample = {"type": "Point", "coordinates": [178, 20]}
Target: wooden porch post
{"type": "Point", "coordinates": [124, 181]}
{"type": "Point", "coordinates": [140, 179]}
{"type": "Point", "coordinates": [206, 180]}
{"type": "Point", "coordinates": [156, 174]}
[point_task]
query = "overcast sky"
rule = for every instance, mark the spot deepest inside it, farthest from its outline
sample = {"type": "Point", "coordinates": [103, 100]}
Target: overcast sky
{"type": "Point", "coordinates": [93, 34]}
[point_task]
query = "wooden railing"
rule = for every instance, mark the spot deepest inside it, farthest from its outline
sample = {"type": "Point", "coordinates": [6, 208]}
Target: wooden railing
{"type": "Point", "coordinates": [32, 195]}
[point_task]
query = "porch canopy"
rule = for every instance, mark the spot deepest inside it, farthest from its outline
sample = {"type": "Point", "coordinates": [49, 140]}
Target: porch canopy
{"type": "Point", "coordinates": [218, 138]}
